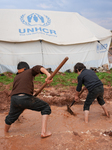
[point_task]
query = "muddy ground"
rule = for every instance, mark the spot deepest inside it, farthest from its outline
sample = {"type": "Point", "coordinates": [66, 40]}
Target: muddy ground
{"type": "Point", "coordinates": [69, 132]}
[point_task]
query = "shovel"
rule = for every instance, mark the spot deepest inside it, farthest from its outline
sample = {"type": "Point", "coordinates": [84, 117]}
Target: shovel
{"type": "Point", "coordinates": [52, 75]}
{"type": "Point", "coordinates": [68, 106]}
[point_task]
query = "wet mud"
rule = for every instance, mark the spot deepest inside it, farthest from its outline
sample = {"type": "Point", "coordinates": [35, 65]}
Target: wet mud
{"type": "Point", "coordinates": [69, 132]}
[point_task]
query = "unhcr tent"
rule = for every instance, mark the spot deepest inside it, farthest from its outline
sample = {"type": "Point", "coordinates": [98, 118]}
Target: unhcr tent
{"type": "Point", "coordinates": [47, 37]}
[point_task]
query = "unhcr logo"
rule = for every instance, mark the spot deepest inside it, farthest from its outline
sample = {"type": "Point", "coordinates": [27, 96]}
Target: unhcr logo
{"type": "Point", "coordinates": [35, 19]}
{"type": "Point", "coordinates": [101, 48]}
{"type": "Point", "coordinates": [36, 24]}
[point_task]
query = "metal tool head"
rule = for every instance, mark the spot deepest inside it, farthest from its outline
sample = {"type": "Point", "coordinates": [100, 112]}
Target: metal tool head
{"type": "Point", "coordinates": [70, 111]}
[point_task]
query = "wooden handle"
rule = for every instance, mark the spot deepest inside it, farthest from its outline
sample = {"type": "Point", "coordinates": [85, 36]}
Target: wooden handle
{"type": "Point", "coordinates": [78, 95]}
{"type": "Point", "coordinates": [81, 92]}
{"type": "Point", "coordinates": [52, 75]}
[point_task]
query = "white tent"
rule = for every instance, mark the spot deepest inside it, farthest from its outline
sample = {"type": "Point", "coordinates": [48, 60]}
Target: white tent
{"type": "Point", "coordinates": [47, 37]}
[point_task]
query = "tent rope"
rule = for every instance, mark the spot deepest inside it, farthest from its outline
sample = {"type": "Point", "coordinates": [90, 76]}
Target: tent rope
{"type": "Point", "coordinates": [42, 53]}
{"type": "Point", "coordinates": [104, 47]}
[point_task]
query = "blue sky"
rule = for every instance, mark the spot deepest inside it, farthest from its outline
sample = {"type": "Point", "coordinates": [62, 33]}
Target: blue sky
{"type": "Point", "coordinates": [98, 11]}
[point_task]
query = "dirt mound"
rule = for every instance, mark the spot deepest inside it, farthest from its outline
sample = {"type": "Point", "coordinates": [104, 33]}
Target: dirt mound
{"type": "Point", "coordinates": [4, 100]}
{"type": "Point", "coordinates": [58, 96]}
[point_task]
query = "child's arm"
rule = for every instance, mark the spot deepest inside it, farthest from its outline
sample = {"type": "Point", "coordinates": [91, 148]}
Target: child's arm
{"type": "Point", "coordinates": [77, 96]}
{"type": "Point", "coordinates": [43, 70]}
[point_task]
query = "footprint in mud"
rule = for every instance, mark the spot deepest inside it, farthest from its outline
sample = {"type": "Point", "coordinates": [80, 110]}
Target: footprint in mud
{"type": "Point", "coordinates": [103, 114]}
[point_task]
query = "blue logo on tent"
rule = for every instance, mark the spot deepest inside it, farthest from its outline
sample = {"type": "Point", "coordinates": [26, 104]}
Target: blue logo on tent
{"type": "Point", "coordinates": [101, 48]}
{"type": "Point", "coordinates": [35, 19]}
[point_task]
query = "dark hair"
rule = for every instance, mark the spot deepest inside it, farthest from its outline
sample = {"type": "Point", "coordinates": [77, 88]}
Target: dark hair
{"type": "Point", "coordinates": [23, 64]}
{"type": "Point", "coordinates": [79, 67]}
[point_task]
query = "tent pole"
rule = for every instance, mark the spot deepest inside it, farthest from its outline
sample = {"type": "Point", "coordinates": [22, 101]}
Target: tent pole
{"type": "Point", "coordinates": [42, 53]}
{"type": "Point", "coordinates": [103, 46]}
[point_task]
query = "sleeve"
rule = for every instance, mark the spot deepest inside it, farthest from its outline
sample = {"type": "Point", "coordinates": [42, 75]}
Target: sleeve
{"type": "Point", "coordinates": [36, 70]}
{"type": "Point", "coordinates": [79, 86]}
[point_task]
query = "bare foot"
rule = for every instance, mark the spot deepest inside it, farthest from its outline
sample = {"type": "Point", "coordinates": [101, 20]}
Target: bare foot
{"type": "Point", "coordinates": [110, 133]}
{"type": "Point", "coordinates": [47, 134]}
{"type": "Point", "coordinates": [106, 114]}
{"type": "Point", "coordinates": [86, 122]}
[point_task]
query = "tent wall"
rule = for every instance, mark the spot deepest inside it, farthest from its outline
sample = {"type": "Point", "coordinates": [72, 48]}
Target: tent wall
{"type": "Point", "coordinates": [91, 54]}
{"type": "Point", "coordinates": [61, 28]}
{"type": "Point", "coordinates": [50, 55]}
{"type": "Point", "coordinates": [12, 53]}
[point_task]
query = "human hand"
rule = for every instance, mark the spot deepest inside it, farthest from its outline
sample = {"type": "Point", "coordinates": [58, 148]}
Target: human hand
{"type": "Point", "coordinates": [84, 88]}
{"type": "Point", "coordinates": [48, 80]}
{"type": "Point", "coordinates": [76, 98]}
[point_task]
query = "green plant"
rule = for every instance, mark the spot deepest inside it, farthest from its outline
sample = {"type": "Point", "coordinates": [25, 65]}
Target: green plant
{"type": "Point", "coordinates": [6, 79]}
{"type": "Point", "coordinates": [65, 79]}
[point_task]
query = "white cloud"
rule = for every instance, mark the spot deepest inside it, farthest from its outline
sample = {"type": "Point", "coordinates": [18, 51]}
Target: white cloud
{"type": "Point", "coordinates": [106, 23]}
{"type": "Point", "coordinates": [89, 13]}
{"type": "Point", "coordinates": [10, 7]}
{"type": "Point", "coordinates": [100, 18]}
{"type": "Point", "coordinates": [44, 6]}
{"type": "Point", "coordinates": [59, 5]}
{"type": "Point", "coordinates": [62, 3]}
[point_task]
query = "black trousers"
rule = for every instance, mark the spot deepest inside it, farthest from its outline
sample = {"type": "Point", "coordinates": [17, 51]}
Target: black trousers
{"type": "Point", "coordinates": [20, 103]}
{"type": "Point", "coordinates": [95, 93]}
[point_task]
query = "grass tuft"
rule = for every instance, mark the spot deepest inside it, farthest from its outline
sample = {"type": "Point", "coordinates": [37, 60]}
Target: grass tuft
{"type": "Point", "coordinates": [65, 79]}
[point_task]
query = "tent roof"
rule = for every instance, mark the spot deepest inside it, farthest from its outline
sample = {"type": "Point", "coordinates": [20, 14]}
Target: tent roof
{"type": "Point", "coordinates": [61, 28]}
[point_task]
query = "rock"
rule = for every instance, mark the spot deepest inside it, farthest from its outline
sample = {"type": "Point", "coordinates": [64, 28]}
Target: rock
{"type": "Point", "coordinates": [54, 94]}
{"type": "Point", "coordinates": [105, 67]}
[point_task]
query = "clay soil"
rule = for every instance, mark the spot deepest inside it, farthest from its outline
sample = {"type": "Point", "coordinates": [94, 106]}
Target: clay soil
{"type": "Point", "coordinates": [69, 132]}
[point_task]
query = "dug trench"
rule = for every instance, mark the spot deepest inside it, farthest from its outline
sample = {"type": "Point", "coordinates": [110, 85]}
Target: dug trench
{"type": "Point", "coordinates": [68, 132]}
